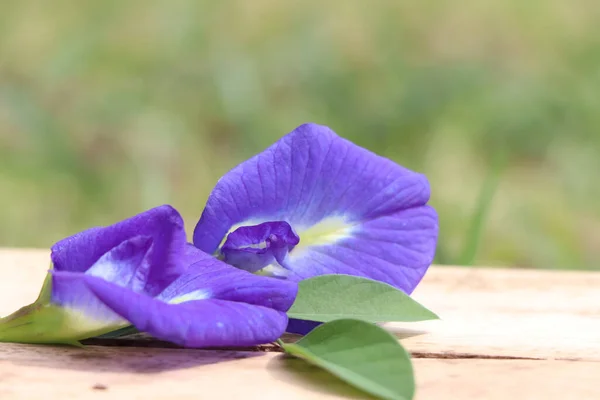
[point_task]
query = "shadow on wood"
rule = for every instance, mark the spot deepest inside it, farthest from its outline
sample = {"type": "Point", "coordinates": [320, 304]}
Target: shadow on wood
{"type": "Point", "coordinates": [312, 378]}
{"type": "Point", "coordinates": [115, 359]}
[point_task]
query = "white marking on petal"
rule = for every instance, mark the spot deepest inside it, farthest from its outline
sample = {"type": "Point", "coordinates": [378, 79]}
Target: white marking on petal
{"type": "Point", "coordinates": [261, 245]}
{"type": "Point", "coordinates": [200, 294]}
{"type": "Point", "coordinates": [274, 270]}
{"type": "Point", "coordinates": [105, 268]}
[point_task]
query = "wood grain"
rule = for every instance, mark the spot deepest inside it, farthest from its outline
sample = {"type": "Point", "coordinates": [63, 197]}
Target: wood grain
{"type": "Point", "coordinates": [36, 372]}
{"type": "Point", "coordinates": [508, 313]}
{"type": "Point", "coordinates": [503, 334]}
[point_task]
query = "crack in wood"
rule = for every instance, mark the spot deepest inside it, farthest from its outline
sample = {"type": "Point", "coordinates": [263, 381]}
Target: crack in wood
{"type": "Point", "coordinates": [149, 342]}
{"type": "Point", "coordinates": [159, 344]}
{"type": "Point", "coordinates": [468, 356]}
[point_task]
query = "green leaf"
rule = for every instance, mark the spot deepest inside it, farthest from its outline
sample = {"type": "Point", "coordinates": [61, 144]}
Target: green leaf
{"type": "Point", "coordinates": [43, 322]}
{"type": "Point", "coordinates": [46, 291]}
{"type": "Point", "coordinates": [48, 323]}
{"type": "Point", "coordinates": [36, 323]}
{"type": "Point", "coordinates": [361, 354]}
{"type": "Point", "coordinates": [329, 297]}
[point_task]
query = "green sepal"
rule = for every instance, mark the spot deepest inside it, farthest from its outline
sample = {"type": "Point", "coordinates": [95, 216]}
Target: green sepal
{"type": "Point", "coordinates": [44, 322]}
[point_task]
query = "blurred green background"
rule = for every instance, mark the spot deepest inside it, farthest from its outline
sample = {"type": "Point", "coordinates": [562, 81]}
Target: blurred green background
{"type": "Point", "coordinates": [111, 107]}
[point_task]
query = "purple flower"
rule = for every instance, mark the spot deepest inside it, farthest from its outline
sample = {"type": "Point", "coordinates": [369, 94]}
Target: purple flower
{"type": "Point", "coordinates": [141, 271]}
{"type": "Point", "coordinates": [211, 304]}
{"type": "Point", "coordinates": [314, 203]}
{"type": "Point", "coordinates": [143, 252]}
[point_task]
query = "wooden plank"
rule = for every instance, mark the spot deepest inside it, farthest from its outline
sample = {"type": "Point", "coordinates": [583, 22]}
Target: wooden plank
{"type": "Point", "coordinates": [506, 379]}
{"type": "Point", "coordinates": [484, 311]}
{"type": "Point", "coordinates": [488, 317]}
{"type": "Point", "coordinates": [23, 273]}
{"type": "Point", "coordinates": [36, 372]}
{"type": "Point", "coordinates": [508, 313]}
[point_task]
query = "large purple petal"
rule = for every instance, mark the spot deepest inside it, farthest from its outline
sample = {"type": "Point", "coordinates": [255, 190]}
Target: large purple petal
{"type": "Point", "coordinates": [200, 323]}
{"type": "Point", "coordinates": [208, 277]}
{"type": "Point", "coordinates": [354, 211]}
{"type": "Point", "coordinates": [396, 249]}
{"type": "Point", "coordinates": [162, 224]}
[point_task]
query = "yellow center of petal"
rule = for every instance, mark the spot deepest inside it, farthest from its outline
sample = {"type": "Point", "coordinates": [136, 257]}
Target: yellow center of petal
{"type": "Point", "coordinates": [327, 231]}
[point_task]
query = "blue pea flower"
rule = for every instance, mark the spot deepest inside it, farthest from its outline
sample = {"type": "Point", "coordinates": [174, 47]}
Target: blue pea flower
{"type": "Point", "coordinates": [314, 203]}
{"type": "Point", "coordinates": [141, 271]}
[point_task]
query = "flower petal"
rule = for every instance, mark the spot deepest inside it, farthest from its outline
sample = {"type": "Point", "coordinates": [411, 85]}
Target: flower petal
{"type": "Point", "coordinates": [201, 323]}
{"type": "Point", "coordinates": [254, 247]}
{"type": "Point", "coordinates": [396, 249]}
{"type": "Point", "coordinates": [301, 326]}
{"type": "Point", "coordinates": [125, 265]}
{"type": "Point", "coordinates": [354, 211]}
{"type": "Point", "coordinates": [82, 314]}
{"type": "Point", "coordinates": [69, 291]}
{"type": "Point", "coordinates": [210, 278]}
{"type": "Point", "coordinates": [163, 224]}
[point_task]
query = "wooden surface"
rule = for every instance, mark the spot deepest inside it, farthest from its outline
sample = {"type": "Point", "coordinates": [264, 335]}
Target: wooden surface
{"type": "Point", "coordinates": [504, 334]}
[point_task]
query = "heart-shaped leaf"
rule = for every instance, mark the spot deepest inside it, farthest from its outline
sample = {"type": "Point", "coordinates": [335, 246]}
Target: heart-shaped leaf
{"type": "Point", "coordinates": [361, 354]}
{"type": "Point", "coordinates": [329, 297]}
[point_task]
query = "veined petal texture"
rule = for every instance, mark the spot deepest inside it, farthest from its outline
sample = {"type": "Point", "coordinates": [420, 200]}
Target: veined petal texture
{"type": "Point", "coordinates": [353, 211]}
